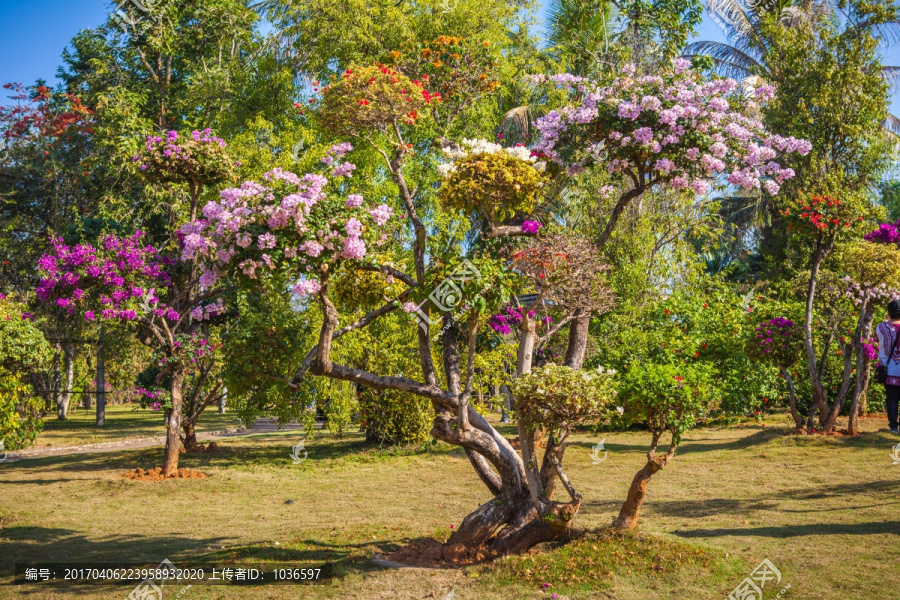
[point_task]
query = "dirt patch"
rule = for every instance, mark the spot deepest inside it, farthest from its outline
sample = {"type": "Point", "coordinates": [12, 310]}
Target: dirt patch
{"type": "Point", "coordinates": [801, 431]}
{"type": "Point", "coordinates": [421, 553]}
{"type": "Point", "coordinates": [156, 474]}
{"type": "Point", "coordinates": [429, 553]}
{"type": "Point", "coordinates": [200, 449]}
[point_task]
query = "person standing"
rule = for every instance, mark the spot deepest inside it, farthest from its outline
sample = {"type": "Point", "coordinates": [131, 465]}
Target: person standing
{"type": "Point", "coordinates": [889, 356]}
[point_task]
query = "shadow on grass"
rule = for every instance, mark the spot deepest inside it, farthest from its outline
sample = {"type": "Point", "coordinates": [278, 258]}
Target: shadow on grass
{"type": "Point", "coordinates": [788, 531]}
{"type": "Point", "coordinates": [774, 501]}
{"type": "Point", "coordinates": [237, 454]}
{"type": "Point", "coordinates": [883, 486]}
{"type": "Point", "coordinates": [698, 509]}
{"type": "Point", "coordinates": [36, 544]}
{"type": "Point", "coordinates": [40, 544]}
{"type": "Point", "coordinates": [694, 445]}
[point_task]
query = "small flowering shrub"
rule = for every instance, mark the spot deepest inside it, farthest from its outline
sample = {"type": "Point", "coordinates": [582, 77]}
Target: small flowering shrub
{"type": "Point", "coordinates": [554, 395]}
{"type": "Point", "coordinates": [668, 397]}
{"type": "Point", "coordinates": [173, 159]}
{"type": "Point", "coordinates": [372, 97]}
{"type": "Point", "coordinates": [23, 347]}
{"type": "Point", "coordinates": [887, 233]}
{"type": "Point", "coordinates": [154, 399]}
{"type": "Point", "coordinates": [676, 128]}
{"type": "Point", "coordinates": [20, 412]}
{"type": "Point", "coordinates": [114, 280]}
{"type": "Point", "coordinates": [498, 182]}
{"type": "Point", "coordinates": [779, 341]}
{"type": "Point", "coordinates": [505, 321]}
{"type": "Point", "coordinates": [287, 224]}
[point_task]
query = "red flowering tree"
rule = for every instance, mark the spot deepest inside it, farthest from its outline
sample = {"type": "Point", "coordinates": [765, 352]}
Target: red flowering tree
{"type": "Point", "coordinates": [47, 183]}
{"type": "Point", "coordinates": [819, 224]}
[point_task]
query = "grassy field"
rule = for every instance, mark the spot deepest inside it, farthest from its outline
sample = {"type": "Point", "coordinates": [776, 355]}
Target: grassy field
{"type": "Point", "coordinates": [122, 423]}
{"type": "Point", "coordinates": [824, 511]}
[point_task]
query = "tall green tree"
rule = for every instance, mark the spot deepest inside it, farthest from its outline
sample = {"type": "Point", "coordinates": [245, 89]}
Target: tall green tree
{"type": "Point", "coordinates": [752, 50]}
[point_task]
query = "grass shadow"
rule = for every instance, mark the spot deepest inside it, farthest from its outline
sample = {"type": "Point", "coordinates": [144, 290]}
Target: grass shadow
{"type": "Point", "coordinates": [788, 531]}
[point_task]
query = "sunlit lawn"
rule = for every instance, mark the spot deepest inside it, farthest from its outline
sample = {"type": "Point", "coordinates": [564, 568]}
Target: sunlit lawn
{"type": "Point", "coordinates": [824, 511]}
{"type": "Point", "coordinates": [122, 422]}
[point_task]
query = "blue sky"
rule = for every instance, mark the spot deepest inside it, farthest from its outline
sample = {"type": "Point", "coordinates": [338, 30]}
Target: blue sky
{"type": "Point", "coordinates": [36, 31]}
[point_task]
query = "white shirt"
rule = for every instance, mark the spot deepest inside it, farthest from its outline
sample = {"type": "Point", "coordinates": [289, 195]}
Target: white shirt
{"type": "Point", "coordinates": [886, 332]}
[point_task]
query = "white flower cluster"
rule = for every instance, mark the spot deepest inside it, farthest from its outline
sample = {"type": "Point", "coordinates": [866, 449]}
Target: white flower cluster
{"type": "Point", "coordinates": [482, 146]}
{"type": "Point", "coordinates": [603, 371]}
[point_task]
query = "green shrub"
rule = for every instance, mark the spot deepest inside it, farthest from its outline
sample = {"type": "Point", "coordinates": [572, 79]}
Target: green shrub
{"type": "Point", "coordinates": [394, 417]}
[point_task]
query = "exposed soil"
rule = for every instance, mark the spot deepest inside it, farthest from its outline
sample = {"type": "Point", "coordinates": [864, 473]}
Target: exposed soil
{"type": "Point", "coordinates": [200, 448]}
{"type": "Point", "coordinates": [802, 431]}
{"type": "Point", "coordinates": [155, 474]}
{"type": "Point", "coordinates": [427, 553]}
{"type": "Point", "coordinates": [421, 553]}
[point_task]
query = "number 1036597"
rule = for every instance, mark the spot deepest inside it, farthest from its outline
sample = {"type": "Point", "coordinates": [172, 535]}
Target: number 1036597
{"type": "Point", "coordinates": [298, 574]}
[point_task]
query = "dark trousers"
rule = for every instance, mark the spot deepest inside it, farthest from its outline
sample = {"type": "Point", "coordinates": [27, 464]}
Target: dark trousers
{"type": "Point", "coordinates": [892, 396]}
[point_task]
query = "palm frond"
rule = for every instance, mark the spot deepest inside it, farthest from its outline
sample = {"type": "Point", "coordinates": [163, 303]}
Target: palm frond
{"type": "Point", "coordinates": [793, 16]}
{"type": "Point", "coordinates": [730, 61]}
{"type": "Point", "coordinates": [888, 32]}
{"type": "Point", "coordinates": [891, 126]}
{"type": "Point", "coordinates": [516, 124]}
{"type": "Point", "coordinates": [891, 76]}
{"type": "Point", "coordinates": [575, 17]}
{"type": "Point", "coordinates": [744, 212]}
{"type": "Point", "coordinates": [266, 7]}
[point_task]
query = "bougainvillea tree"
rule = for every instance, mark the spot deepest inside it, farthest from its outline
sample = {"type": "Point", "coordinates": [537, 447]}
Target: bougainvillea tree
{"type": "Point", "coordinates": [310, 230]}
{"type": "Point", "coordinates": [668, 398]}
{"type": "Point", "coordinates": [779, 341]}
{"type": "Point", "coordinates": [675, 129]}
{"type": "Point", "coordinates": [48, 181]}
{"type": "Point", "coordinates": [124, 282]}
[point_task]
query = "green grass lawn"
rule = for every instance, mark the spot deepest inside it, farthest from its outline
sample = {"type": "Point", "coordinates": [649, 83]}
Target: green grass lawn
{"type": "Point", "coordinates": [824, 511]}
{"type": "Point", "coordinates": [122, 422]}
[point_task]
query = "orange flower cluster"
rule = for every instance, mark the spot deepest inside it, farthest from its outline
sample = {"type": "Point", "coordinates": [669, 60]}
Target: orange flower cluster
{"type": "Point", "coordinates": [457, 66]}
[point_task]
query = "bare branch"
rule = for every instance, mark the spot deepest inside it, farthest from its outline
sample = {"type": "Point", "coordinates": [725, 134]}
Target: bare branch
{"type": "Point", "coordinates": [565, 480]}
{"type": "Point", "coordinates": [388, 270]}
{"type": "Point", "coordinates": [359, 323]}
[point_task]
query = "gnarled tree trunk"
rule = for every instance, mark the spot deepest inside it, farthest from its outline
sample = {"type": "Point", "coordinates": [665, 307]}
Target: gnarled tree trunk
{"type": "Point", "coordinates": [631, 509]}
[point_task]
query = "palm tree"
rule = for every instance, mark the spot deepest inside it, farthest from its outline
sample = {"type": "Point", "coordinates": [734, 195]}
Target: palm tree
{"type": "Point", "coordinates": [744, 57]}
